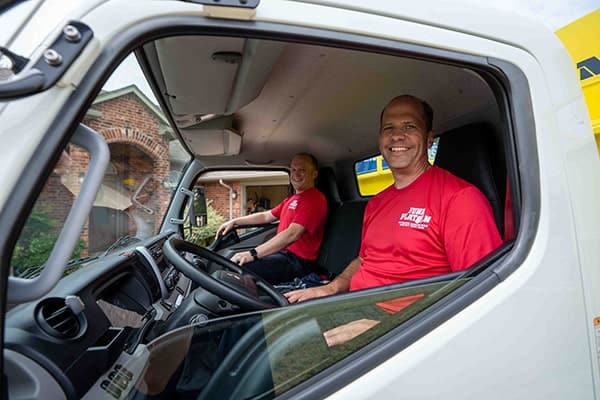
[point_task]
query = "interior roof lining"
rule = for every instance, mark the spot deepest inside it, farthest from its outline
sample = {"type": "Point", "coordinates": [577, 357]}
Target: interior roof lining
{"type": "Point", "coordinates": [251, 148]}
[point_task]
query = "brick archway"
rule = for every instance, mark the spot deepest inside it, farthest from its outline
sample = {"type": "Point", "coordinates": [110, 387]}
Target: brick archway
{"type": "Point", "coordinates": [143, 141]}
{"type": "Point", "coordinates": [152, 145]}
{"type": "Point", "coordinates": [156, 149]}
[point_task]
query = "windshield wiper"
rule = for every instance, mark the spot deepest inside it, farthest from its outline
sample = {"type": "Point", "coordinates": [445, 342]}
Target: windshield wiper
{"type": "Point", "coordinates": [75, 263]}
{"type": "Point", "coordinates": [31, 272]}
{"type": "Point", "coordinates": [35, 271]}
{"type": "Point", "coordinates": [81, 260]}
{"type": "Point", "coordinates": [121, 242]}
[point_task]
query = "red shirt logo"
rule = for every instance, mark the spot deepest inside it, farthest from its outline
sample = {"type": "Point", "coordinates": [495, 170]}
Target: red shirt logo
{"type": "Point", "coordinates": [415, 218]}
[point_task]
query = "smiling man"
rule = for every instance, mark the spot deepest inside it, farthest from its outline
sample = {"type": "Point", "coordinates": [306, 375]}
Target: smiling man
{"type": "Point", "coordinates": [428, 223]}
{"type": "Point", "coordinates": [292, 252]}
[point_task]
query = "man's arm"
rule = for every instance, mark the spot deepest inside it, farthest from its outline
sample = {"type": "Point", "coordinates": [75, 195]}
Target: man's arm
{"type": "Point", "coordinates": [273, 245]}
{"type": "Point", "coordinates": [264, 217]}
{"type": "Point", "coordinates": [340, 284]}
{"type": "Point", "coordinates": [470, 232]}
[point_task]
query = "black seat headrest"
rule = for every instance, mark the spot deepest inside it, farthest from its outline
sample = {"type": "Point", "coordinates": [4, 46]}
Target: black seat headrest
{"type": "Point", "coordinates": [470, 153]}
{"type": "Point", "coordinates": [327, 184]}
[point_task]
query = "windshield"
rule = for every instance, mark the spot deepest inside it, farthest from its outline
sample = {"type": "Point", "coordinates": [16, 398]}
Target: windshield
{"type": "Point", "coordinates": [145, 165]}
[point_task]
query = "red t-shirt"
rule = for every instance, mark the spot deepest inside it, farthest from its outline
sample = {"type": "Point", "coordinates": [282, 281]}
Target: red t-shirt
{"type": "Point", "coordinates": [308, 209]}
{"type": "Point", "coordinates": [436, 225]}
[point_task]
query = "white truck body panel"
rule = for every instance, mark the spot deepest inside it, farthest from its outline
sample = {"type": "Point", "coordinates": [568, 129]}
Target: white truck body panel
{"type": "Point", "coordinates": [532, 336]}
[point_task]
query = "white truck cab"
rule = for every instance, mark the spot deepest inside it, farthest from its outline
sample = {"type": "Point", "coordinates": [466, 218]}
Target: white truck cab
{"type": "Point", "coordinates": [131, 129]}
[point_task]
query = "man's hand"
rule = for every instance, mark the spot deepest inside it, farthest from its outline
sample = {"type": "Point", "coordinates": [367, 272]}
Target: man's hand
{"type": "Point", "coordinates": [224, 228]}
{"type": "Point", "coordinates": [242, 258]}
{"type": "Point", "coordinates": [310, 293]}
{"type": "Point", "coordinates": [340, 284]}
{"type": "Point", "coordinates": [347, 332]}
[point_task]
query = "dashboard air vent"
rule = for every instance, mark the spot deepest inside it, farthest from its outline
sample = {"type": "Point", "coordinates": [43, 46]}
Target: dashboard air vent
{"type": "Point", "coordinates": [58, 320]}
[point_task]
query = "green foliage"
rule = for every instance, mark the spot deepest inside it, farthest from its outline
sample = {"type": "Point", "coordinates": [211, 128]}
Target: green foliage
{"type": "Point", "coordinates": [205, 235]}
{"type": "Point", "coordinates": [36, 242]}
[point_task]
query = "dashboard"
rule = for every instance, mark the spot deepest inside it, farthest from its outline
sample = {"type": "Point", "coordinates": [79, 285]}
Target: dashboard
{"type": "Point", "coordinates": [89, 320]}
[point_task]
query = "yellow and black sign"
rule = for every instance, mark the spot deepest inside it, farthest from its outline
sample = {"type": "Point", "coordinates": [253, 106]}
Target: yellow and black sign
{"type": "Point", "coordinates": [589, 68]}
{"type": "Point", "coordinates": [582, 39]}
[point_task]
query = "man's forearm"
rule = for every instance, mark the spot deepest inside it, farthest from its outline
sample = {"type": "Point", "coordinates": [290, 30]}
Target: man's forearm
{"type": "Point", "coordinates": [254, 219]}
{"type": "Point", "coordinates": [280, 241]}
{"type": "Point", "coordinates": [341, 283]}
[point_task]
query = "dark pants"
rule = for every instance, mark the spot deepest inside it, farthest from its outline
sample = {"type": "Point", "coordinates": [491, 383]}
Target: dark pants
{"type": "Point", "coordinates": [279, 267]}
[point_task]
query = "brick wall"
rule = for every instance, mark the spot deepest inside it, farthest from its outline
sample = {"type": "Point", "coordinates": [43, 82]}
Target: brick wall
{"type": "Point", "coordinates": [126, 111]}
{"type": "Point", "coordinates": [220, 198]}
{"type": "Point", "coordinates": [57, 199]}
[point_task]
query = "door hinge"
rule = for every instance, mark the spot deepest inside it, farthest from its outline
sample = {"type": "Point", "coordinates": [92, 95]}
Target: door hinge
{"type": "Point", "coordinates": [53, 63]}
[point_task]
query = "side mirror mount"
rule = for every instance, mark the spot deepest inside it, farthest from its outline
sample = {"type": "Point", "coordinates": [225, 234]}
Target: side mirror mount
{"type": "Point", "coordinates": [198, 213]}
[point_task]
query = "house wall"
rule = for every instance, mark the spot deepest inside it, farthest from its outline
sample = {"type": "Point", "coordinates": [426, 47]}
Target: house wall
{"type": "Point", "coordinates": [132, 131]}
{"type": "Point", "coordinates": [220, 198]}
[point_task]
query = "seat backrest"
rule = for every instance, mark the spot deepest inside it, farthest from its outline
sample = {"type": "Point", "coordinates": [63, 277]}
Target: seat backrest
{"type": "Point", "coordinates": [343, 228]}
{"type": "Point", "coordinates": [327, 184]}
{"type": "Point", "coordinates": [470, 153]}
{"type": "Point", "coordinates": [342, 237]}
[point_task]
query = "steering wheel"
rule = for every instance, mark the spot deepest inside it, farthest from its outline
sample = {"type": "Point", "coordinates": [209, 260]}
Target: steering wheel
{"type": "Point", "coordinates": [234, 294]}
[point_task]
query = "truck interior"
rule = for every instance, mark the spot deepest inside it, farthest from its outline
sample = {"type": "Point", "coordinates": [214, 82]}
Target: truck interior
{"type": "Point", "coordinates": [136, 313]}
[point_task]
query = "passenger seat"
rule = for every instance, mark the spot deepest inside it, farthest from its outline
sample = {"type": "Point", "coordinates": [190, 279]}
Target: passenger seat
{"type": "Point", "coordinates": [343, 228]}
{"type": "Point", "coordinates": [470, 152]}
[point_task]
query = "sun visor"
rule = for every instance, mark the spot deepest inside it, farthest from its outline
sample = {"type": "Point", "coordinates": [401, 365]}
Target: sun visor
{"type": "Point", "coordinates": [213, 75]}
{"type": "Point", "coordinates": [257, 62]}
{"type": "Point", "coordinates": [194, 82]}
{"type": "Point", "coordinates": [214, 137]}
